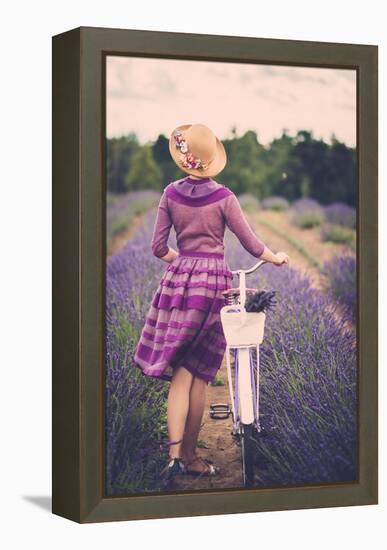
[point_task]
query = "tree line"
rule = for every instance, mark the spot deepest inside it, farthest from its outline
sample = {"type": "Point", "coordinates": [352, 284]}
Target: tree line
{"type": "Point", "coordinates": [289, 166]}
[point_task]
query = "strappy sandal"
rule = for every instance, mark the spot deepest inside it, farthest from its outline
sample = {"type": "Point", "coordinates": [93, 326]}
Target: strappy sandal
{"type": "Point", "coordinates": [175, 465]}
{"type": "Point", "coordinates": [210, 470]}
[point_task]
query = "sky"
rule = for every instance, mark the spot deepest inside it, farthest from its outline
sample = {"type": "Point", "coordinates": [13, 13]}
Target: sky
{"type": "Point", "coordinates": [151, 96]}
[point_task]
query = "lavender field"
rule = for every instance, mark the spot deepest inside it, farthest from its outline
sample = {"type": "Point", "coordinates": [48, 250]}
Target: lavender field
{"type": "Point", "coordinates": [308, 376]}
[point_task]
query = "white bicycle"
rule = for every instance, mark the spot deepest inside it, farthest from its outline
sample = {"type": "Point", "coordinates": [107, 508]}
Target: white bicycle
{"type": "Point", "coordinates": [244, 332]}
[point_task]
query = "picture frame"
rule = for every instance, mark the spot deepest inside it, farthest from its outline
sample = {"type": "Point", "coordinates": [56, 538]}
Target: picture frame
{"type": "Point", "coordinates": [79, 271]}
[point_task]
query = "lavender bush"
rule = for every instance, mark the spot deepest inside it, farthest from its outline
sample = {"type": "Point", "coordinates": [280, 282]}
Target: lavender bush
{"type": "Point", "coordinates": [121, 209]}
{"type": "Point", "coordinates": [275, 203]}
{"type": "Point", "coordinates": [135, 404]}
{"type": "Point", "coordinates": [249, 202]}
{"type": "Point", "coordinates": [306, 213]}
{"type": "Point", "coordinates": [341, 275]}
{"type": "Point", "coordinates": [338, 234]}
{"type": "Point", "coordinates": [339, 213]}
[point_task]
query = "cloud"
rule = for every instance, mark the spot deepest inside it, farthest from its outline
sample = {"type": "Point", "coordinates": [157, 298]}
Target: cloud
{"type": "Point", "coordinates": [125, 80]}
{"type": "Point", "coordinates": [347, 74]}
{"type": "Point", "coordinates": [150, 96]}
{"type": "Point", "coordinates": [295, 74]}
{"type": "Point", "coordinates": [163, 83]}
{"type": "Point", "coordinates": [214, 71]}
{"type": "Point", "coordinates": [348, 106]}
{"type": "Point", "coordinates": [275, 96]}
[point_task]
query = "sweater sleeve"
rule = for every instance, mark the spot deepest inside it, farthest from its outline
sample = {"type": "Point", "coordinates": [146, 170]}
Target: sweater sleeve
{"type": "Point", "coordinates": [238, 224]}
{"type": "Point", "coordinates": [161, 228]}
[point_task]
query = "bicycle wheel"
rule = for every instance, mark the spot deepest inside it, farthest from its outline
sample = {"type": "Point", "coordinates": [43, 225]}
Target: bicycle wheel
{"type": "Point", "coordinates": [247, 451]}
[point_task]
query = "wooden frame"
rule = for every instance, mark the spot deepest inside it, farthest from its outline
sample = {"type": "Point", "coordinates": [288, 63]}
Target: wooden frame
{"type": "Point", "coordinates": [78, 271]}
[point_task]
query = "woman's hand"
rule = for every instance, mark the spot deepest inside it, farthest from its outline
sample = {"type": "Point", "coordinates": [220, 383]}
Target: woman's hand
{"type": "Point", "coordinates": [170, 256]}
{"type": "Point", "coordinates": [281, 258]}
{"type": "Point", "coordinates": [277, 259]}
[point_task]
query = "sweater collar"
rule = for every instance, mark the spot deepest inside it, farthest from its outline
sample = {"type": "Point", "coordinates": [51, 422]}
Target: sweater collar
{"type": "Point", "coordinates": [196, 181]}
{"type": "Point", "coordinates": [191, 187]}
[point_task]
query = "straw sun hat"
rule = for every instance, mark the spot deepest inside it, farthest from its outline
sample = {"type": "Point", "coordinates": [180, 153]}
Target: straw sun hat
{"type": "Point", "coordinates": [197, 151]}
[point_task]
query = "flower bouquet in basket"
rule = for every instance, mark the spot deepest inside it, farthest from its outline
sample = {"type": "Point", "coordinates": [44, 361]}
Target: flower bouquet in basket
{"type": "Point", "coordinates": [261, 301]}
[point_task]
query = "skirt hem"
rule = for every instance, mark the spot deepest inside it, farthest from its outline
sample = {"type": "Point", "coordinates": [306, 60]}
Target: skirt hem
{"type": "Point", "coordinates": [163, 376]}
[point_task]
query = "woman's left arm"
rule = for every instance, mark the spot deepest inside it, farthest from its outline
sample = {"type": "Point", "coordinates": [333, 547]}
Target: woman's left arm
{"type": "Point", "coordinates": [161, 232]}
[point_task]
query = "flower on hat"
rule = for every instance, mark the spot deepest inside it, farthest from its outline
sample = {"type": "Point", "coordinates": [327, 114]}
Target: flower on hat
{"type": "Point", "coordinates": [189, 161]}
{"type": "Point", "coordinates": [180, 142]}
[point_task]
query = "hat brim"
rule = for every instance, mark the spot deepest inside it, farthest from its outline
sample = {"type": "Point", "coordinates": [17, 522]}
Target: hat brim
{"type": "Point", "coordinates": [215, 167]}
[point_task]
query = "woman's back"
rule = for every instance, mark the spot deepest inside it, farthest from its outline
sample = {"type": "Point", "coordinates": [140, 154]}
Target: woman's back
{"type": "Point", "coordinates": [199, 210]}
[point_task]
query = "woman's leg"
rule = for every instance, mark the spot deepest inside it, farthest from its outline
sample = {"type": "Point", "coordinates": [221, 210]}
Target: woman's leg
{"type": "Point", "coordinates": [178, 406]}
{"type": "Point", "coordinates": [197, 400]}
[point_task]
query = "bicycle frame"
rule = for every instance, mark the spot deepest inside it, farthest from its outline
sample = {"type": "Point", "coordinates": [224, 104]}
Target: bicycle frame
{"type": "Point", "coordinates": [245, 398]}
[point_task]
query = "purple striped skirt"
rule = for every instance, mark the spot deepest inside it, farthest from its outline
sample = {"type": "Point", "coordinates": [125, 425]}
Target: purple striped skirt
{"type": "Point", "coordinates": [182, 326]}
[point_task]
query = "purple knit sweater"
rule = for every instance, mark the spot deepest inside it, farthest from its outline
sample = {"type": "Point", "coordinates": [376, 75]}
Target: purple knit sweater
{"type": "Point", "coordinates": [199, 210]}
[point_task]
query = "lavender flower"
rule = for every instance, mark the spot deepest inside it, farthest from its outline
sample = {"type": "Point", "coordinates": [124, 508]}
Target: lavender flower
{"type": "Point", "coordinates": [249, 202]}
{"type": "Point", "coordinates": [260, 301]}
{"type": "Point", "coordinates": [339, 213]}
{"type": "Point", "coordinates": [341, 275]}
{"type": "Point", "coordinates": [307, 213]}
{"type": "Point", "coordinates": [275, 203]}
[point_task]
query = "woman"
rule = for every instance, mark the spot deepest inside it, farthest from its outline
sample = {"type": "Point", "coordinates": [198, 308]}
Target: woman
{"type": "Point", "coordinates": [182, 340]}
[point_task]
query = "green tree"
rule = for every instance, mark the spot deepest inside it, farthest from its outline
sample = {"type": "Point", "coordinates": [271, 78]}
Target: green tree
{"type": "Point", "coordinates": [283, 170]}
{"type": "Point", "coordinates": [245, 167]}
{"type": "Point", "coordinates": [342, 161]}
{"type": "Point", "coordinates": [119, 153]}
{"type": "Point", "coordinates": [164, 160]}
{"type": "Point", "coordinates": [330, 169]}
{"type": "Point", "coordinates": [144, 173]}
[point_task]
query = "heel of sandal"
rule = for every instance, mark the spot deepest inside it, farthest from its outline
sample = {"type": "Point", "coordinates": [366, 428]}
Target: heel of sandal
{"type": "Point", "coordinates": [210, 469]}
{"type": "Point", "coordinates": [174, 467]}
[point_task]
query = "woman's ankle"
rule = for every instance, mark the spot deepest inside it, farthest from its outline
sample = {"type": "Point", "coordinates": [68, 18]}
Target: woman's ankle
{"type": "Point", "coordinates": [175, 451]}
{"type": "Point", "coordinates": [187, 454]}
{"type": "Point", "coordinates": [175, 446]}
{"type": "Point", "coordinates": [174, 455]}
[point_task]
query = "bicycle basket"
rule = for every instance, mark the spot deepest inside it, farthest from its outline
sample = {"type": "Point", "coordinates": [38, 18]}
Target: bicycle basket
{"type": "Point", "coordinates": [241, 327]}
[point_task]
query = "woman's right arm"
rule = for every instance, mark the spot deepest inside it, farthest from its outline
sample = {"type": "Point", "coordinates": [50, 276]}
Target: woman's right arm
{"type": "Point", "coordinates": [237, 223]}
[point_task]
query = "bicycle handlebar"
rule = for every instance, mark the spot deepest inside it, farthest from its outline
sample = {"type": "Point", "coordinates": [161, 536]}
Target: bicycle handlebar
{"type": "Point", "coordinates": [247, 271]}
{"type": "Point", "coordinates": [242, 282]}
